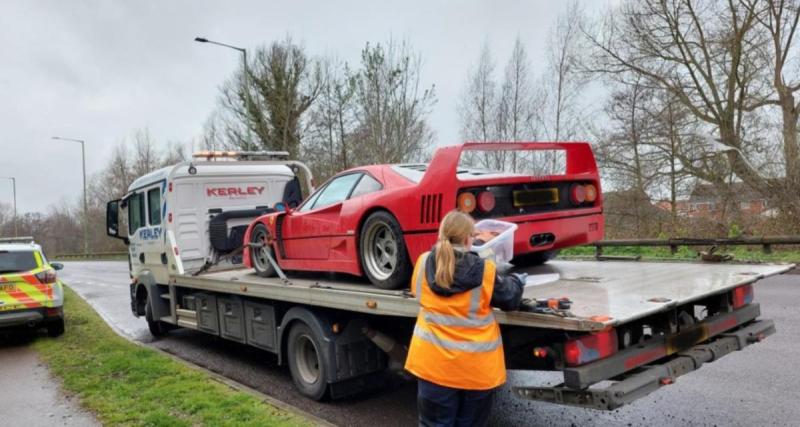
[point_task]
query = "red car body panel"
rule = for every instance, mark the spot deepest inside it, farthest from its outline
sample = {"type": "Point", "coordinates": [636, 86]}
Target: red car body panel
{"type": "Point", "coordinates": [326, 239]}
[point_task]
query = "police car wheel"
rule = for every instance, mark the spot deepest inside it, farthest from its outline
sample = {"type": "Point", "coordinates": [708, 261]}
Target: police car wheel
{"type": "Point", "coordinates": [55, 328]}
{"type": "Point", "coordinates": [258, 255]}
{"type": "Point", "coordinates": [156, 327]}
{"type": "Point", "coordinates": [306, 363]}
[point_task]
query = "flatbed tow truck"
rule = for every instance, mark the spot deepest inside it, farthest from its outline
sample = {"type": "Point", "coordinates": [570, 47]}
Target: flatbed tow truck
{"type": "Point", "coordinates": [632, 327]}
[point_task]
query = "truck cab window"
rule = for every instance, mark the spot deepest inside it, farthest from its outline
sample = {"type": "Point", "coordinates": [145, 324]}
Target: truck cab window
{"type": "Point", "coordinates": [135, 212]}
{"type": "Point", "coordinates": [154, 206]}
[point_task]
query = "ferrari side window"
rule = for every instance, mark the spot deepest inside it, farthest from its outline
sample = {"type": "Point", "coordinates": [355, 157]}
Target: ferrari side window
{"type": "Point", "coordinates": [311, 200]}
{"type": "Point", "coordinates": [336, 191]}
{"type": "Point", "coordinates": [367, 185]}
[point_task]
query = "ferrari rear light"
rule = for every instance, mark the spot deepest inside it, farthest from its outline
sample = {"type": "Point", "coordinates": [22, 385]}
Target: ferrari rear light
{"type": "Point", "coordinates": [742, 296]}
{"type": "Point", "coordinates": [591, 192]}
{"type": "Point", "coordinates": [577, 194]}
{"type": "Point", "coordinates": [466, 202]}
{"type": "Point", "coordinates": [486, 201]}
{"type": "Point", "coordinates": [589, 348]}
{"type": "Point", "coordinates": [46, 276]}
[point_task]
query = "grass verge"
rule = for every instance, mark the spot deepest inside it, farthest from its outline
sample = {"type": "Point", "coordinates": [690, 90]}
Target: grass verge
{"type": "Point", "coordinates": [127, 384]}
{"type": "Point", "coordinates": [740, 253]}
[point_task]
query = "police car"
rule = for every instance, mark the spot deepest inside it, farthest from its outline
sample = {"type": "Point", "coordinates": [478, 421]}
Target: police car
{"type": "Point", "coordinates": [31, 296]}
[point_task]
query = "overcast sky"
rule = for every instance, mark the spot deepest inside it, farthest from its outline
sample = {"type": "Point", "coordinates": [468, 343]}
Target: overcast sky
{"type": "Point", "coordinates": [98, 70]}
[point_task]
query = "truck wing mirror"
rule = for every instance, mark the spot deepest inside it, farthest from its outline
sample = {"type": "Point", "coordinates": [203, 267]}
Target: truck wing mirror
{"type": "Point", "coordinates": [112, 221]}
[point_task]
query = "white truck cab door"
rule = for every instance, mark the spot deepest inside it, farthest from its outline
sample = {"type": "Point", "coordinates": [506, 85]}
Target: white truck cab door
{"type": "Point", "coordinates": [148, 242]}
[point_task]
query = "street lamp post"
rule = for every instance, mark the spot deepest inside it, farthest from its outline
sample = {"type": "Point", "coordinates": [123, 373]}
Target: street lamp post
{"type": "Point", "coordinates": [247, 100]}
{"type": "Point", "coordinates": [85, 204]}
{"type": "Point", "coordinates": [14, 193]}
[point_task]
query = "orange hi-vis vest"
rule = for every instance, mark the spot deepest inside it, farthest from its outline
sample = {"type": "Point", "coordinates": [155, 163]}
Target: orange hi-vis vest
{"type": "Point", "coordinates": [456, 340]}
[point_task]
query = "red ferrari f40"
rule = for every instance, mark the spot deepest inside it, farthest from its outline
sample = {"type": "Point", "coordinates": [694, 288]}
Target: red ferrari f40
{"type": "Point", "coordinates": [375, 221]}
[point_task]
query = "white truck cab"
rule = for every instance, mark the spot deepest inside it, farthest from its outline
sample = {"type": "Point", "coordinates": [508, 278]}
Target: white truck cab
{"type": "Point", "coordinates": [181, 218]}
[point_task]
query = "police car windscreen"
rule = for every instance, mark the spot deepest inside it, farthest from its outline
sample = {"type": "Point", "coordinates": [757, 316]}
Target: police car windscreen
{"type": "Point", "coordinates": [14, 261]}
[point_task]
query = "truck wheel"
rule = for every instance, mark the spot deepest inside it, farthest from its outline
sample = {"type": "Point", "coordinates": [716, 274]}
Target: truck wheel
{"type": "Point", "coordinates": [157, 328]}
{"type": "Point", "coordinates": [306, 361]}
{"type": "Point", "coordinates": [534, 258]}
{"type": "Point", "coordinates": [382, 252]}
{"type": "Point", "coordinates": [55, 328]}
{"type": "Point", "coordinates": [258, 255]}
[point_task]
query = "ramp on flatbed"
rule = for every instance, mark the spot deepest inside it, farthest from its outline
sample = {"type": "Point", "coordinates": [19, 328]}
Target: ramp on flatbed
{"type": "Point", "coordinates": [628, 290]}
{"type": "Point", "coordinates": [620, 290]}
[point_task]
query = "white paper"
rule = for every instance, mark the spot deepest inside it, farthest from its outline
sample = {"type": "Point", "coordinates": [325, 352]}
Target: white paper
{"type": "Point", "coordinates": [541, 279]}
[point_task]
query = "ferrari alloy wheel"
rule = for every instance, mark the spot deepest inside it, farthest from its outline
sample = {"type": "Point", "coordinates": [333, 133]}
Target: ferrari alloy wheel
{"type": "Point", "coordinates": [382, 250]}
{"type": "Point", "coordinates": [260, 251]}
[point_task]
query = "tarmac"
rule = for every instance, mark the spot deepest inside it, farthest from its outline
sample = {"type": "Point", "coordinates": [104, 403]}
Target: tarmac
{"type": "Point", "coordinates": [29, 395]}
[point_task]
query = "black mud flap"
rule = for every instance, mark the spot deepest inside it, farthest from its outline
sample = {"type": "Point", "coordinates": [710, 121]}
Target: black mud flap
{"type": "Point", "coordinates": [648, 379]}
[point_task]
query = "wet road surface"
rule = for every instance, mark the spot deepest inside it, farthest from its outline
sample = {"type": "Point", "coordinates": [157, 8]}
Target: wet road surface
{"type": "Point", "coordinates": [29, 396]}
{"type": "Point", "coordinates": [757, 386]}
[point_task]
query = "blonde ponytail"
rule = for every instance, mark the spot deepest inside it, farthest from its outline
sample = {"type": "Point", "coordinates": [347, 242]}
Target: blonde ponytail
{"type": "Point", "coordinates": [455, 229]}
{"type": "Point", "coordinates": [445, 263]}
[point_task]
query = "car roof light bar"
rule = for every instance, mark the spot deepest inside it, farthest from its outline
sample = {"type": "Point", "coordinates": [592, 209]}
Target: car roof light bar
{"type": "Point", "coordinates": [23, 239]}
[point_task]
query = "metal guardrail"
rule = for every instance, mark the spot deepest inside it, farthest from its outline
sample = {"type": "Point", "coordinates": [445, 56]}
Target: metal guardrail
{"type": "Point", "coordinates": [93, 255]}
{"type": "Point", "coordinates": [765, 242]}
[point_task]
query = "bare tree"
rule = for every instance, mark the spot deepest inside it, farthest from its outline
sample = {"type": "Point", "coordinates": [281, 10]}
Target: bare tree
{"type": "Point", "coordinates": [478, 100]}
{"type": "Point", "coordinates": [515, 110]}
{"type": "Point", "coordinates": [283, 84]}
{"type": "Point", "coordinates": [332, 121]}
{"type": "Point", "coordinates": [564, 80]}
{"type": "Point", "coordinates": [174, 152]}
{"type": "Point", "coordinates": [392, 106]}
{"type": "Point", "coordinates": [145, 155]}
{"type": "Point", "coordinates": [780, 19]}
{"type": "Point", "coordinates": [706, 55]}
{"type": "Point", "coordinates": [625, 152]}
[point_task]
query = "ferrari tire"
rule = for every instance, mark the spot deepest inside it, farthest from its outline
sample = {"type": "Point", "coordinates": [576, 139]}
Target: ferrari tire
{"type": "Point", "coordinates": [534, 258]}
{"type": "Point", "coordinates": [258, 253]}
{"type": "Point", "coordinates": [382, 252]}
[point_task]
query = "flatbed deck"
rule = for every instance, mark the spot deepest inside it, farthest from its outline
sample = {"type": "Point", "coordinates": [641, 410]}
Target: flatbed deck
{"type": "Point", "coordinates": [610, 292]}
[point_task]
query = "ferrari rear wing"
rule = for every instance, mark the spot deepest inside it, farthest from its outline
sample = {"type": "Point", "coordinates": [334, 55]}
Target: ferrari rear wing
{"type": "Point", "coordinates": [580, 161]}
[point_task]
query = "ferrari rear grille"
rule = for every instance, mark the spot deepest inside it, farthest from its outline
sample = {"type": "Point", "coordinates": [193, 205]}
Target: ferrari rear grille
{"type": "Point", "coordinates": [430, 209]}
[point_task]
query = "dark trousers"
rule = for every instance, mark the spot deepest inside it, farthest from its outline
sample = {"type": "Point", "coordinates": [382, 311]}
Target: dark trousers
{"type": "Point", "coordinates": [440, 406]}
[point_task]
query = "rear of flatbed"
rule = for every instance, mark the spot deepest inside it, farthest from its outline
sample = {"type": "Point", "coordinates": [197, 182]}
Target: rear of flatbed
{"type": "Point", "coordinates": [651, 308]}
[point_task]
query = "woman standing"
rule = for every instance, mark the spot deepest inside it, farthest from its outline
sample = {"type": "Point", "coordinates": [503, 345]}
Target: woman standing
{"type": "Point", "coordinates": [457, 351]}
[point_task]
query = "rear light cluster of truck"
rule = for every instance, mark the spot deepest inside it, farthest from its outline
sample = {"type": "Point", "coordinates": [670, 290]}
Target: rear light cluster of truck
{"type": "Point", "coordinates": [467, 202]}
{"type": "Point", "coordinates": [590, 347]}
{"type": "Point", "coordinates": [742, 296]}
{"type": "Point", "coordinates": [582, 193]}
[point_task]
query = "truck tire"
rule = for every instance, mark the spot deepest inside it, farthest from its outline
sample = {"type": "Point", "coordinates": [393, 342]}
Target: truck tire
{"type": "Point", "coordinates": [534, 258]}
{"type": "Point", "coordinates": [382, 252]}
{"type": "Point", "coordinates": [157, 328]}
{"type": "Point", "coordinates": [258, 255]}
{"type": "Point", "coordinates": [55, 328]}
{"type": "Point", "coordinates": [306, 356]}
